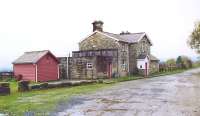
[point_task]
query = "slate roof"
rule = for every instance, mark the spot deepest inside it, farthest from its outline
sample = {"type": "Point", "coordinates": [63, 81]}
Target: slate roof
{"type": "Point", "coordinates": [31, 57]}
{"type": "Point", "coordinates": [129, 38]}
{"type": "Point", "coordinates": [142, 56]}
{"type": "Point", "coordinates": [153, 58]}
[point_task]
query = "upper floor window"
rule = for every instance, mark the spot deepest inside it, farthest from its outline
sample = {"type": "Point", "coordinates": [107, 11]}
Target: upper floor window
{"type": "Point", "coordinates": [143, 46]}
{"type": "Point", "coordinates": [123, 47]}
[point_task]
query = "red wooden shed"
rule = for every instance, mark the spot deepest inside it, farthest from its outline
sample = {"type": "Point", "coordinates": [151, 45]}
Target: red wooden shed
{"type": "Point", "coordinates": [38, 66]}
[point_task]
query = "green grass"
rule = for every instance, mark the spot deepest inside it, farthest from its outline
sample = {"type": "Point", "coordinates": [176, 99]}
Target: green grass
{"type": "Point", "coordinates": [128, 78]}
{"type": "Point", "coordinates": [41, 101]}
{"type": "Point", "coordinates": [168, 72]}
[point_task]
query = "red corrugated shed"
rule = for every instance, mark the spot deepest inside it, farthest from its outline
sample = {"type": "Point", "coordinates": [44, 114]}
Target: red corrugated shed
{"type": "Point", "coordinates": [37, 66]}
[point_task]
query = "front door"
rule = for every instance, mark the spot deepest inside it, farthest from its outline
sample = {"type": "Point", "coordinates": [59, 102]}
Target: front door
{"type": "Point", "coordinates": [146, 69]}
{"type": "Point", "coordinates": [109, 70]}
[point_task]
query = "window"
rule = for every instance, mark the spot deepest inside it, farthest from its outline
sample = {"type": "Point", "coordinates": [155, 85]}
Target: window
{"type": "Point", "coordinates": [123, 47]}
{"type": "Point", "coordinates": [143, 46]}
{"type": "Point", "coordinates": [123, 64]}
{"type": "Point", "coordinates": [89, 66]}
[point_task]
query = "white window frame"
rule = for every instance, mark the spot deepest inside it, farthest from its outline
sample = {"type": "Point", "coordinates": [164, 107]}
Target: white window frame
{"type": "Point", "coordinates": [89, 66]}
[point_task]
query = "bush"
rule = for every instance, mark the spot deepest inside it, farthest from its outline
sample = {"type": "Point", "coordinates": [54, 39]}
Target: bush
{"type": "Point", "coordinates": [4, 84]}
{"type": "Point", "coordinates": [184, 62]}
{"type": "Point", "coordinates": [39, 86]}
{"type": "Point", "coordinates": [23, 86]}
{"type": "Point", "coordinates": [19, 77]}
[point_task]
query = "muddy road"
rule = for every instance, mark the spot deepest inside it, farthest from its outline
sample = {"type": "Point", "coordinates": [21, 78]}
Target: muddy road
{"type": "Point", "coordinates": [174, 95]}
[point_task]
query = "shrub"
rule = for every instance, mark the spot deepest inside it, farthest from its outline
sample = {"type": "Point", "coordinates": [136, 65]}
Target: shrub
{"type": "Point", "coordinates": [39, 86]}
{"type": "Point", "coordinates": [19, 77]}
{"type": "Point", "coordinates": [4, 84]}
{"type": "Point", "coordinates": [184, 62]}
{"type": "Point", "coordinates": [23, 86]}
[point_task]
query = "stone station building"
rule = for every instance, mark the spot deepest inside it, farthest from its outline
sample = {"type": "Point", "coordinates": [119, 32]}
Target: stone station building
{"type": "Point", "coordinates": [106, 55]}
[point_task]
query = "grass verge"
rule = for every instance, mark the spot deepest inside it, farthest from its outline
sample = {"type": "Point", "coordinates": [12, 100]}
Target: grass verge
{"type": "Point", "coordinates": [168, 73]}
{"type": "Point", "coordinates": [41, 101]}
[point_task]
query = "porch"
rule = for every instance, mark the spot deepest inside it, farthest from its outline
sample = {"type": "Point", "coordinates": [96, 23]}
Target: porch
{"type": "Point", "coordinates": [94, 64]}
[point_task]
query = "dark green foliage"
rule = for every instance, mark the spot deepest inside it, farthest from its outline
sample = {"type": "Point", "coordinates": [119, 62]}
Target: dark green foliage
{"type": "Point", "coordinates": [7, 79]}
{"type": "Point", "coordinates": [19, 77]}
{"type": "Point", "coordinates": [39, 86]}
{"type": "Point", "coordinates": [171, 61]}
{"type": "Point", "coordinates": [184, 62]}
{"type": "Point", "coordinates": [4, 84]}
{"type": "Point", "coordinates": [179, 62]}
{"type": "Point", "coordinates": [23, 86]}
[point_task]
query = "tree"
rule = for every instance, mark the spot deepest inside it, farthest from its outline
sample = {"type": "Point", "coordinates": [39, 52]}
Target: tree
{"type": "Point", "coordinates": [194, 40]}
{"type": "Point", "coordinates": [179, 62]}
{"type": "Point", "coordinates": [171, 62]}
{"type": "Point", "coordinates": [184, 62]}
{"type": "Point", "coordinates": [187, 62]}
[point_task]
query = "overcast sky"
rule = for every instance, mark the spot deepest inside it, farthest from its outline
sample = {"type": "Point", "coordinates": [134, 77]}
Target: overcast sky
{"type": "Point", "coordinates": [58, 25]}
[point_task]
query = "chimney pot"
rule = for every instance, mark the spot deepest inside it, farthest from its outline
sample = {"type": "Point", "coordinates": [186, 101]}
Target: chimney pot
{"type": "Point", "coordinates": [97, 25]}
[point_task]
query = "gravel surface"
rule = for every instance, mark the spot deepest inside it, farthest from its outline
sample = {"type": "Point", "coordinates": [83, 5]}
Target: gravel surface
{"type": "Point", "coordinates": [173, 95]}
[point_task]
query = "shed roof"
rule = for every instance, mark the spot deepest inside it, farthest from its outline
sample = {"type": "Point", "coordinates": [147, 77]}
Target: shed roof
{"type": "Point", "coordinates": [32, 57]}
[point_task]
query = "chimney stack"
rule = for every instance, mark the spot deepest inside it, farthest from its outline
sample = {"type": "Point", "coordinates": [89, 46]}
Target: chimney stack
{"type": "Point", "coordinates": [97, 25]}
{"type": "Point", "coordinates": [125, 33]}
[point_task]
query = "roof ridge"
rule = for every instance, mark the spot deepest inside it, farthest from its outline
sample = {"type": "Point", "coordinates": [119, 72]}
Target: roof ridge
{"type": "Point", "coordinates": [108, 32]}
{"type": "Point", "coordinates": [133, 33]}
{"type": "Point", "coordinates": [138, 32]}
{"type": "Point", "coordinates": [37, 51]}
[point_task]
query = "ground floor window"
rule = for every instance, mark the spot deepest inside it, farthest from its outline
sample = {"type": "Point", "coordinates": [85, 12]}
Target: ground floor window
{"type": "Point", "coordinates": [89, 66]}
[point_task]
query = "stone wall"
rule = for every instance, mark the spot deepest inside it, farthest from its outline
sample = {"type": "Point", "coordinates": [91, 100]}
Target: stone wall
{"type": "Point", "coordinates": [98, 41]}
{"type": "Point", "coordinates": [133, 59]}
{"type": "Point", "coordinates": [63, 67]}
{"type": "Point", "coordinates": [123, 59]}
{"type": "Point", "coordinates": [143, 47]}
{"type": "Point", "coordinates": [99, 60]}
{"type": "Point", "coordinates": [154, 67]}
{"type": "Point", "coordinates": [135, 49]}
{"type": "Point", "coordinates": [78, 68]}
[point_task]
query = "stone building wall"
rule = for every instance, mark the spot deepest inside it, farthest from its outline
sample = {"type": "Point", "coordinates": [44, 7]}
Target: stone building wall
{"type": "Point", "coordinates": [99, 41]}
{"type": "Point", "coordinates": [123, 59]}
{"type": "Point", "coordinates": [135, 49]}
{"type": "Point", "coordinates": [133, 59]}
{"type": "Point", "coordinates": [143, 47]}
{"type": "Point", "coordinates": [63, 67]}
{"type": "Point", "coordinates": [78, 68]}
{"type": "Point", "coordinates": [154, 67]}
